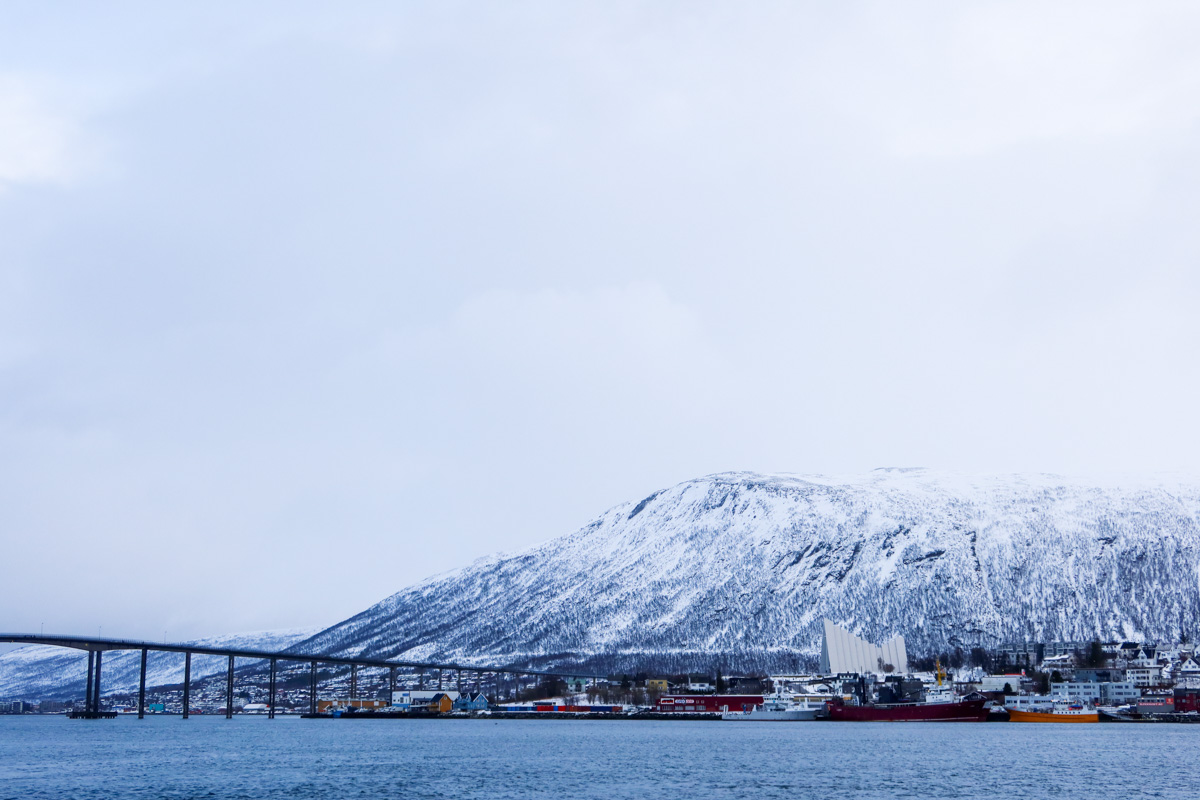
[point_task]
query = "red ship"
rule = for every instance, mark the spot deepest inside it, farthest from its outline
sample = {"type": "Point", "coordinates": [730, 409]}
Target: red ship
{"type": "Point", "coordinates": [961, 711]}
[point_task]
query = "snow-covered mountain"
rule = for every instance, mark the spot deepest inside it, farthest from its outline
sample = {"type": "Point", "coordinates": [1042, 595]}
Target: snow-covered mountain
{"type": "Point", "coordinates": [743, 567]}
{"type": "Point", "coordinates": [41, 671]}
{"type": "Point", "coordinates": [739, 569]}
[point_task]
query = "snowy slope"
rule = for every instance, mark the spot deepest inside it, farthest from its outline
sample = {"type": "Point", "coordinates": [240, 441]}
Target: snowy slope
{"type": "Point", "coordinates": [41, 671]}
{"type": "Point", "coordinates": [742, 567]}
{"type": "Point", "coordinates": [745, 566]}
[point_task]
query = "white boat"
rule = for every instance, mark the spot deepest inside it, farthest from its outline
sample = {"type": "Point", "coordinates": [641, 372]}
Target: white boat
{"type": "Point", "coordinates": [778, 710]}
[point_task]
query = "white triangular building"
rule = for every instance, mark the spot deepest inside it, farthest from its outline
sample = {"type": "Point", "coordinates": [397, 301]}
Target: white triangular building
{"type": "Point", "coordinates": [842, 651]}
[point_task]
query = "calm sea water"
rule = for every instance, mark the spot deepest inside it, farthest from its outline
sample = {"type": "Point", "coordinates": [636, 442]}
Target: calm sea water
{"type": "Point", "coordinates": [166, 757]}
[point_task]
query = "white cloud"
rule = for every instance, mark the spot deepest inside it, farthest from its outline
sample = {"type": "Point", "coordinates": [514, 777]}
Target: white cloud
{"type": "Point", "coordinates": [38, 144]}
{"type": "Point", "coordinates": [995, 75]}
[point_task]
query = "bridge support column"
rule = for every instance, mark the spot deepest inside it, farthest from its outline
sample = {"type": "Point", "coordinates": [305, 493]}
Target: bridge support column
{"type": "Point", "coordinates": [187, 683]}
{"type": "Point", "coordinates": [142, 688]}
{"type": "Point", "coordinates": [229, 690]}
{"type": "Point", "coordinates": [459, 684]}
{"type": "Point", "coordinates": [312, 687]}
{"type": "Point", "coordinates": [96, 687]}
{"type": "Point", "coordinates": [391, 683]}
{"type": "Point", "coordinates": [271, 693]}
{"type": "Point", "coordinates": [439, 679]}
{"type": "Point", "coordinates": [87, 698]}
{"type": "Point", "coordinates": [353, 681]}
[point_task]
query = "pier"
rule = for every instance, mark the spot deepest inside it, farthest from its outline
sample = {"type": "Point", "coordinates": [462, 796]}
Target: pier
{"type": "Point", "coordinates": [96, 647]}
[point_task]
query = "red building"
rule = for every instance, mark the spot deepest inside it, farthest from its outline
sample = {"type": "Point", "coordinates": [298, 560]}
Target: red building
{"type": "Point", "coordinates": [1187, 700]}
{"type": "Point", "coordinates": [708, 703]}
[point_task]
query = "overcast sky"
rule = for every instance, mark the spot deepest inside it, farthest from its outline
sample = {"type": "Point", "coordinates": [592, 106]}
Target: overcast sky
{"type": "Point", "coordinates": [302, 304]}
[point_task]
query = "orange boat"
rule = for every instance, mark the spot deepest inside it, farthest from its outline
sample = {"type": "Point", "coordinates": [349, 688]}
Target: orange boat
{"type": "Point", "coordinates": [1057, 714]}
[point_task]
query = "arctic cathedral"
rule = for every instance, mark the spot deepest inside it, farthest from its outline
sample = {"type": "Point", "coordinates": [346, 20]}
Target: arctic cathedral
{"type": "Point", "coordinates": [842, 651]}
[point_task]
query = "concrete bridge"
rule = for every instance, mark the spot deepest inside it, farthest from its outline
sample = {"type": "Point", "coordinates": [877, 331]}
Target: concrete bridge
{"type": "Point", "coordinates": [96, 647]}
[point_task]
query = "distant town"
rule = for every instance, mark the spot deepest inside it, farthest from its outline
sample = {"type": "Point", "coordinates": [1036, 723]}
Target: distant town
{"type": "Point", "coordinates": [1038, 681]}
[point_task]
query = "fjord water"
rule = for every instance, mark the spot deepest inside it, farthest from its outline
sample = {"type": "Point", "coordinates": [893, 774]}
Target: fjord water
{"type": "Point", "coordinates": [166, 757]}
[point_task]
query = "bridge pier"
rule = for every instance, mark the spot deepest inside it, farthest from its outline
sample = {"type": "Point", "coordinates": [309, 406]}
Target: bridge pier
{"type": "Point", "coordinates": [229, 690]}
{"type": "Point", "coordinates": [142, 688]}
{"type": "Point", "coordinates": [87, 698]}
{"type": "Point", "coordinates": [96, 687]}
{"type": "Point", "coordinates": [391, 683]}
{"type": "Point", "coordinates": [439, 679]}
{"type": "Point", "coordinates": [271, 698]}
{"type": "Point", "coordinates": [459, 682]}
{"type": "Point", "coordinates": [353, 681]}
{"type": "Point", "coordinates": [187, 683]}
{"type": "Point", "coordinates": [312, 687]}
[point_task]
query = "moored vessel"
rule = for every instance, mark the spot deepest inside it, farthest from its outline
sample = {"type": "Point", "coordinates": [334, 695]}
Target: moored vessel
{"type": "Point", "coordinates": [1057, 713]}
{"type": "Point", "coordinates": [940, 704]}
{"type": "Point", "coordinates": [971, 710]}
{"type": "Point", "coordinates": [779, 711]}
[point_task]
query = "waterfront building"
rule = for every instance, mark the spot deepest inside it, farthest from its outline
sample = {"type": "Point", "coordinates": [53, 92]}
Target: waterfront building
{"type": "Point", "coordinates": [419, 698]}
{"type": "Point", "coordinates": [441, 703]}
{"type": "Point", "coordinates": [466, 702]}
{"type": "Point", "coordinates": [708, 703]}
{"type": "Point", "coordinates": [1156, 704]}
{"type": "Point", "coordinates": [1113, 693]}
{"type": "Point", "coordinates": [345, 703]}
{"type": "Point", "coordinates": [1187, 700]}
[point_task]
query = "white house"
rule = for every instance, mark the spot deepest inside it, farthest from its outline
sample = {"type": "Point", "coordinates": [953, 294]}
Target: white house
{"type": "Point", "coordinates": [1187, 674]}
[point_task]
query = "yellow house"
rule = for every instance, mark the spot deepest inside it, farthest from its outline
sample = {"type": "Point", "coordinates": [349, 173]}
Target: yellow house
{"type": "Point", "coordinates": [441, 704]}
{"type": "Point", "coordinates": [657, 685]}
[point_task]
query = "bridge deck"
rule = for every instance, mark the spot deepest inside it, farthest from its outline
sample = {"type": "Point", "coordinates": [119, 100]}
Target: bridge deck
{"type": "Point", "coordinates": [98, 644]}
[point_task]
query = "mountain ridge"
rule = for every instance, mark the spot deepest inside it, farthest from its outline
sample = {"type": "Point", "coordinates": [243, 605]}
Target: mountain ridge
{"type": "Point", "coordinates": [738, 569]}
{"type": "Point", "coordinates": [734, 564]}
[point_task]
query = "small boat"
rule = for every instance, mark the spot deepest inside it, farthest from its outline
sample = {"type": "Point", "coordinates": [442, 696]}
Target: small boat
{"type": "Point", "coordinates": [1060, 712]}
{"type": "Point", "coordinates": [779, 711]}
